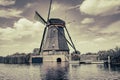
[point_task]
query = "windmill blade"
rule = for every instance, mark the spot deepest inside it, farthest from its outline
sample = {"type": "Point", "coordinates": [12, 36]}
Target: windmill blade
{"type": "Point", "coordinates": [39, 18]}
{"type": "Point", "coordinates": [49, 10]}
{"type": "Point", "coordinates": [70, 39]}
{"type": "Point", "coordinates": [41, 45]}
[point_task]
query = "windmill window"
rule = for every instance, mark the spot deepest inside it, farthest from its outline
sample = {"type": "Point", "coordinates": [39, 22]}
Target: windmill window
{"type": "Point", "coordinates": [53, 45]}
{"type": "Point", "coordinates": [54, 30]}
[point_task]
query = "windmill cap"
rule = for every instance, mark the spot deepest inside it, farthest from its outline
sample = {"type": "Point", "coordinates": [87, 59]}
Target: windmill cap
{"type": "Point", "coordinates": [56, 21]}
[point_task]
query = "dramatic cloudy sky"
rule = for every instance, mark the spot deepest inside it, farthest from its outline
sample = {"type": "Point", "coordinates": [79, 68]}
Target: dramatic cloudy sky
{"type": "Point", "coordinates": [93, 24]}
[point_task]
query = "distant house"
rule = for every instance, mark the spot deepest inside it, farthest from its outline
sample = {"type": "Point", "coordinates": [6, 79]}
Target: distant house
{"type": "Point", "coordinates": [89, 56]}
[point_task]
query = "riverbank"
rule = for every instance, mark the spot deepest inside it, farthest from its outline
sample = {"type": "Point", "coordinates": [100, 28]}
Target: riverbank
{"type": "Point", "coordinates": [15, 59]}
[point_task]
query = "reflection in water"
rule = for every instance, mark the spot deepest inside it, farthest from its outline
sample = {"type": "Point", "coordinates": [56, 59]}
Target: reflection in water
{"type": "Point", "coordinates": [111, 67]}
{"type": "Point", "coordinates": [54, 71]}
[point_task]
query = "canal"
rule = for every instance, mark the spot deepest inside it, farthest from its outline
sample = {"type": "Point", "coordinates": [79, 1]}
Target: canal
{"type": "Point", "coordinates": [59, 71]}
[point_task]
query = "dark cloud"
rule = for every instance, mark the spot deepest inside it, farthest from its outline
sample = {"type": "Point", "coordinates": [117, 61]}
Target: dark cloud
{"type": "Point", "coordinates": [69, 2]}
{"type": "Point", "coordinates": [7, 22]}
{"type": "Point", "coordinates": [104, 21]}
{"type": "Point", "coordinates": [23, 3]}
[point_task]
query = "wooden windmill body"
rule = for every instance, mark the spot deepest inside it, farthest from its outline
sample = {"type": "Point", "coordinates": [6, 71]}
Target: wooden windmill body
{"type": "Point", "coordinates": [54, 44]}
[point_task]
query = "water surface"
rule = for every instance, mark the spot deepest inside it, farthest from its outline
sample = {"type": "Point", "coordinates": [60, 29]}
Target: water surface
{"type": "Point", "coordinates": [59, 71]}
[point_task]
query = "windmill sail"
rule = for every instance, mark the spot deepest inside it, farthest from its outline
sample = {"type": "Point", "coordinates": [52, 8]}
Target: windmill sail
{"type": "Point", "coordinates": [49, 10]}
{"type": "Point", "coordinates": [39, 18]}
{"type": "Point", "coordinates": [42, 39]}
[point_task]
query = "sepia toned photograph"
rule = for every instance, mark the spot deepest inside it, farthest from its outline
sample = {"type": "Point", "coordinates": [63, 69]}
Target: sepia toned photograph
{"type": "Point", "coordinates": [59, 39]}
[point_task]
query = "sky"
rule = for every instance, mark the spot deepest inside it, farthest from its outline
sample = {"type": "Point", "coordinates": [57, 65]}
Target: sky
{"type": "Point", "coordinates": [93, 24]}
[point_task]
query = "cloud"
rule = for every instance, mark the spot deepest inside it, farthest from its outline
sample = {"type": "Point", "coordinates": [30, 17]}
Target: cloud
{"type": "Point", "coordinates": [21, 28]}
{"type": "Point", "coordinates": [95, 28]}
{"type": "Point", "coordinates": [24, 36]}
{"type": "Point", "coordinates": [87, 46]}
{"type": "Point", "coordinates": [109, 33]}
{"type": "Point", "coordinates": [112, 28]}
{"type": "Point", "coordinates": [9, 13]}
{"type": "Point", "coordinates": [87, 20]}
{"type": "Point", "coordinates": [28, 5]}
{"type": "Point", "coordinates": [55, 6]}
{"type": "Point", "coordinates": [118, 44]}
{"type": "Point", "coordinates": [74, 7]}
{"type": "Point", "coordinates": [100, 7]}
{"type": "Point", "coordinates": [7, 2]}
{"type": "Point", "coordinates": [100, 39]}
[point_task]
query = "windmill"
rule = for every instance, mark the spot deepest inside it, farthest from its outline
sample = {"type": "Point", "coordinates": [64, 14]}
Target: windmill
{"type": "Point", "coordinates": [54, 40]}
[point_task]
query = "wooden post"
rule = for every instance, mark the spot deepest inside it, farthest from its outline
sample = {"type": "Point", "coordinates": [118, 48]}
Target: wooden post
{"type": "Point", "coordinates": [109, 60]}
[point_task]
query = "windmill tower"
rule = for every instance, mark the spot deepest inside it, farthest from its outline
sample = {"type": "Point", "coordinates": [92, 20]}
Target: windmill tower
{"type": "Point", "coordinates": [54, 44]}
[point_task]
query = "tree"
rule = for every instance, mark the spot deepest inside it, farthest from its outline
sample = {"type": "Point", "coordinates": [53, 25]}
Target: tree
{"type": "Point", "coordinates": [75, 55]}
